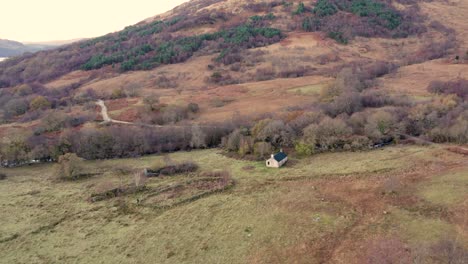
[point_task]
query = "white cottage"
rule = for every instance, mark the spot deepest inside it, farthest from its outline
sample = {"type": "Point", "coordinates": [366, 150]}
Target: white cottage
{"type": "Point", "coordinates": [277, 160]}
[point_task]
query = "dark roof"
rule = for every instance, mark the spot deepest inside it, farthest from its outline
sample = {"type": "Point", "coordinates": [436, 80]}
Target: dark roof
{"type": "Point", "coordinates": [280, 156]}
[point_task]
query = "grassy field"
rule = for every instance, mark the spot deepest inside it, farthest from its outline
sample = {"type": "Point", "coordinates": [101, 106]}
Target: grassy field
{"type": "Point", "coordinates": [315, 210]}
{"type": "Point", "coordinates": [313, 90]}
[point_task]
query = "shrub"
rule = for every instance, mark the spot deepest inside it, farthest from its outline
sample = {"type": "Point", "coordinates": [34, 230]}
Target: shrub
{"type": "Point", "coordinates": [193, 107]}
{"type": "Point", "coordinates": [436, 87]}
{"type": "Point", "coordinates": [174, 168]}
{"type": "Point", "coordinates": [198, 137]}
{"type": "Point", "coordinates": [303, 149]}
{"type": "Point", "coordinates": [300, 9]}
{"type": "Point", "coordinates": [346, 81]}
{"type": "Point", "coordinates": [459, 132]}
{"type": "Point", "coordinates": [54, 121]}
{"type": "Point", "coordinates": [166, 82]}
{"type": "Point", "coordinates": [263, 149]}
{"type": "Point", "coordinates": [31, 116]}
{"type": "Point", "coordinates": [348, 103]}
{"type": "Point", "coordinates": [101, 60]}
{"type": "Point", "coordinates": [264, 74]}
{"type": "Point", "coordinates": [257, 18]}
{"type": "Point", "coordinates": [24, 89]}
{"type": "Point", "coordinates": [305, 119]}
{"type": "Point", "coordinates": [236, 67]}
{"type": "Point", "coordinates": [229, 56]}
{"type": "Point", "coordinates": [16, 107]}
{"type": "Point", "coordinates": [173, 114]}
{"type": "Point", "coordinates": [338, 36]}
{"type": "Point", "coordinates": [384, 15]}
{"type": "Point", "coordinates": [274, 131]}
{"type": "Point", "coordinates": [360, 143]}
{"type": "Point", "coordinates": [118, 93]}
{"type": "Point", "coordinates": [458, 87]}
{"type": "Point", "coordinates": [310, 135]}
{"type": "Point", "coordinates": [311, 24]}
{"type": "Point", "coordinates": [300, 71]}
{"type": "Point", "coordinates": [324, 8]}
{"type": "Point", "coordinates": [380, 124]}
{"type": "Point", "coordinates": [69, 167]}
{"type": "Point", "coordinates": [39, 102]}
{"type": "Point", "coordinates": [15, 151]}
{"type": "Point", "coordinates": [233, 140]}
{"type": "Point", "coordinates": [151, 102]}
{"type": "Point", "coordinates": [330, 133]}
{"type": "Point", "coordinates": [373, 98]}
{"type": "Point", "coordinates": [246, 145]}
{"type": "Point", "coordinates": [216, 77]}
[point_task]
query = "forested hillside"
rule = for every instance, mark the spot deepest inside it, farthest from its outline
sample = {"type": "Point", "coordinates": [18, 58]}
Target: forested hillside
{"type": "Point", "coordinates": [147, 45]}
{"type": "Point", "coordinates": [249, 76]}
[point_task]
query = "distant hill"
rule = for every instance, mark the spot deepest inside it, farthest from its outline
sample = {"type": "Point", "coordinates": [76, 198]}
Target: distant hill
{"type": "Point", "coordinates": [9, 48]}
{"type": "Point", "coordinates": [52, 43]}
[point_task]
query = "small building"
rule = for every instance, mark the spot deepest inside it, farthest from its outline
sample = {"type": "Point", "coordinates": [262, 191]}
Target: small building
{"type": "Point", "coordinates": [277, 160]}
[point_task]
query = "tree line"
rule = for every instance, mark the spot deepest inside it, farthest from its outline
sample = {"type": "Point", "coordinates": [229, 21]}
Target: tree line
{"type": "Point", "coordinates": [107, 142]}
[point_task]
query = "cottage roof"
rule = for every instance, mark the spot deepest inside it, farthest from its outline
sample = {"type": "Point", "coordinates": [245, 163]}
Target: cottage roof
{"type": "Point", "coordinates": [280, 156]}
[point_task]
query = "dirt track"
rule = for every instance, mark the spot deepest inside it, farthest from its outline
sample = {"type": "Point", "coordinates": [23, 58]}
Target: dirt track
{"type": "Point", "coordinates": [106, 117]}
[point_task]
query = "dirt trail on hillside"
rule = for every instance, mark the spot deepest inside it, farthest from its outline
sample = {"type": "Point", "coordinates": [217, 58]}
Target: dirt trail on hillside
{"type": "Point", "coordinates": [108, 119]}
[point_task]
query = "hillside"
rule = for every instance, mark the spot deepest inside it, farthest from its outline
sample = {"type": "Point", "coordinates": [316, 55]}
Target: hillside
{"type": "Point", "coordinates": [202, 28]}
{"type": "Point", "coordinates": [229, 64]}
{"type": "Point", "coordinates": [369, 98]}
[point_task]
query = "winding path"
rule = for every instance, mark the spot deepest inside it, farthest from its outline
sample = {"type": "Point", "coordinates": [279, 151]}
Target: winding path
{"type": "Point", "coordinates": [106, 117]}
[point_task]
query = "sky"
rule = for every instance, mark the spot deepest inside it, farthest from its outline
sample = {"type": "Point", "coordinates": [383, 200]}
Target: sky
{"type": "Point", "coordinates": [51, 20]}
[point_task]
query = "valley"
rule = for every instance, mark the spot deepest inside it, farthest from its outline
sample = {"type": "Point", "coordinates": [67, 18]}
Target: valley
{"type": "Point", "coordinates": [313, 210]}
{"type": "Point", "coordinates": [151, 144]}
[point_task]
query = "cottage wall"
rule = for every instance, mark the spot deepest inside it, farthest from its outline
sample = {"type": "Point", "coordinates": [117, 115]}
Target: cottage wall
{"type": "Point", "coordinates": [272, 163]}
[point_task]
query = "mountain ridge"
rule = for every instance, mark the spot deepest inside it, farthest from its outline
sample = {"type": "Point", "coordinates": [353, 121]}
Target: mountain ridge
{"type": "Point", "coordinates": [9, 48]}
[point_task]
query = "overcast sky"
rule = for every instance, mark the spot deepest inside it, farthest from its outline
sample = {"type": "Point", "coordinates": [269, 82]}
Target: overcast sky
{"type": "Point", "coordinates": [47, 20]}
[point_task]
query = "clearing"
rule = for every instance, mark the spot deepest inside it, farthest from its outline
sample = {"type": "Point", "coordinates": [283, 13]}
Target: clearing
{"type": "Point", "coordinates": [314, 210]}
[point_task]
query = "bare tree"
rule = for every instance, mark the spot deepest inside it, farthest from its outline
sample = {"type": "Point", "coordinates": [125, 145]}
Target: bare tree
{"type": "Point", "coordinates": [69, 167]}
{"type": "Point", "coordinates": [198, 137]}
